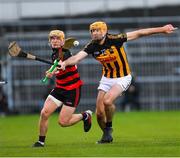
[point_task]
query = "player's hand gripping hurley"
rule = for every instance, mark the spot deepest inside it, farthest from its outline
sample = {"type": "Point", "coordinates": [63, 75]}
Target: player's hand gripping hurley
{"type": "Point", "coordinates": [51, 70]}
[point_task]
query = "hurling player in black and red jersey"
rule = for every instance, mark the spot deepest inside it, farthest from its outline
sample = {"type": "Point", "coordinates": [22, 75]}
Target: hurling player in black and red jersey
{"type": "Point", "coordinates": [116, 74]}
{"type": "Point", "coordinates": [66, 93]}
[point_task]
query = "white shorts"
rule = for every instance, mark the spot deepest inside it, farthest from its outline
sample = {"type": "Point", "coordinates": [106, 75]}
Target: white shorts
{"type": "Point", "coordinates": [107, 83]}
{"type": "Point", "coordinates": [56, 101]}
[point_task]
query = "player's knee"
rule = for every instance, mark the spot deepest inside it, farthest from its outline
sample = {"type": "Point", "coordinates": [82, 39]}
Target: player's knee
{"type": "Point", "coordinates": [107, 102]}
{"type": "Point", "coordinates": [44, 114]}
{"type": "Point", "coordinates": [63, 122]}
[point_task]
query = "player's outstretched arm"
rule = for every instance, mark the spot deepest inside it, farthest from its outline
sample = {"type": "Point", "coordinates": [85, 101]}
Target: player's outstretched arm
{"type": "Point", "coordinates": [73, 60]}
{"type": "Point", "coordinates": [149, 31]}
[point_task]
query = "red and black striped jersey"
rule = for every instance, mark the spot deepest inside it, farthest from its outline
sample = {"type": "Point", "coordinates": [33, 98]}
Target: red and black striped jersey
{"type": "Point", "coordinates": [69, 78]}
{"type": "Point", "coordinates": [111, 55]}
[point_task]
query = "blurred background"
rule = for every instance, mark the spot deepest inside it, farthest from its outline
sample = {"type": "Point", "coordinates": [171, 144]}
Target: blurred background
{"type": "Point", "coordinates": [154, 60]}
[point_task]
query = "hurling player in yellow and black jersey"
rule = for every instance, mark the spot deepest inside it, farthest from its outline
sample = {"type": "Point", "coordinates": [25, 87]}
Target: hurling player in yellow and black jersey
{"type": "Point", "coordinates": [116, 74]}
{"type": "Point", "coordinates": [66, 92]}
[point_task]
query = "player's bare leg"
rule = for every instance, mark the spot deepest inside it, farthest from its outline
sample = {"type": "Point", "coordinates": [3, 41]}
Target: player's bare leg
{"type": "Point", "coordinates": [108, 101]}
{"type": "Point", "coordinates": [67, 116]}
{"type": "Point", "coordinates": [100, 110]}
{"type": "Point", "coordinates": [48, 109]}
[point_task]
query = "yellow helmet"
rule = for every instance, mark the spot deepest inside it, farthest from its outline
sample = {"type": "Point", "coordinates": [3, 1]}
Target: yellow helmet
{"type": "Point", "coordinates": [57, 33]}
{"type": "Point", "coordinates": [99, 25]}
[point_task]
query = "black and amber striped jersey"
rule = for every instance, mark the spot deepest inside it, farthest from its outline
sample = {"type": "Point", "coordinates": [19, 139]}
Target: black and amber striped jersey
{"type": "Point", "coordinates": [111, 55]}
{"type": "Point", "coordinates": [69, 78]}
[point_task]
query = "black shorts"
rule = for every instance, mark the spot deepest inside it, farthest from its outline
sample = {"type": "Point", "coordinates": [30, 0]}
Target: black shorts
{"type": "Point", "coordinates": [68, 97]}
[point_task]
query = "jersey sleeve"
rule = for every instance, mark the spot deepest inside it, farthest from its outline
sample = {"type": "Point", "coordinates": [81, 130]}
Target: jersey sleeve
{"type": "Point", "coordinates": [118, 38]}
{"type": "Point", "coordinates": [88, 48]}
{"type": "Point", "coordinates": [122, 37]}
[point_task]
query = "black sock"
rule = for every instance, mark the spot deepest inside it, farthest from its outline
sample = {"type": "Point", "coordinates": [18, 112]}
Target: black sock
{"type": "Point", "coordinates": [109, 124]}
{"type": "Point", "coordinates": [84, 115]}
{"type": "Point", "coordinates": [42, 138]}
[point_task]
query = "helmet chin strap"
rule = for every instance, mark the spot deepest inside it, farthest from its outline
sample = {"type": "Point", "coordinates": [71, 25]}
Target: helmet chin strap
{"type": "Point", "coordinates": [99, 40]}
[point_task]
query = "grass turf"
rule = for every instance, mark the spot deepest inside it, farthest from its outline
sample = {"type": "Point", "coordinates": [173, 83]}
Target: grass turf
{"type": "Point", "coordinates": [135, 134]}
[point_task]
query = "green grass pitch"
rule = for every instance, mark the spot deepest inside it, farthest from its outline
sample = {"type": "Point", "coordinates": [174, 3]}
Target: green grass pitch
{"type": "Point", "coordinates": [135, 134]}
